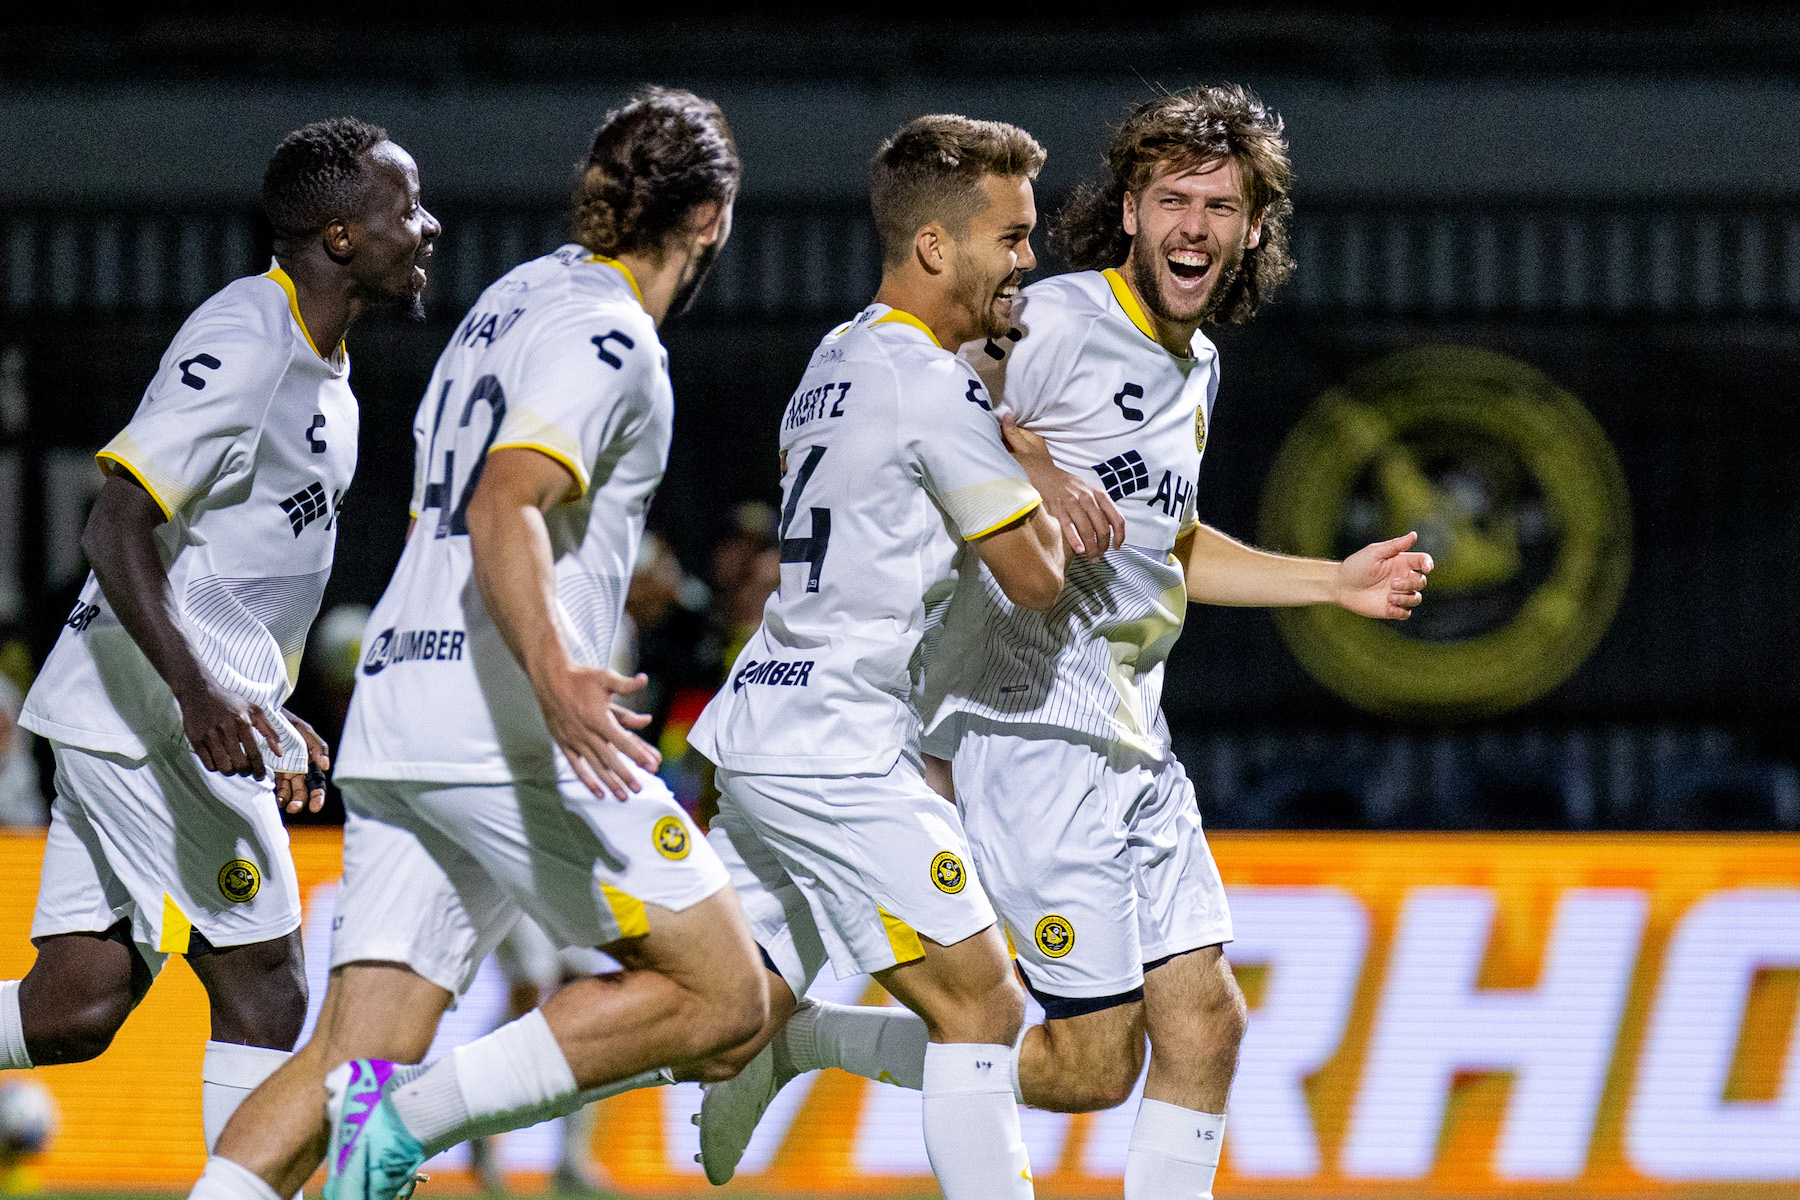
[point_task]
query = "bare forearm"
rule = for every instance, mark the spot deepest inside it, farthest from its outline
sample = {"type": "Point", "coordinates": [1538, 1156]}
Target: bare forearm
{"type": "Point", "coordinates": [515, 570]}
{"type": "Point", "coordinates": [120, 542]}
{"type": "Point", "coordinates": [1222, 570]}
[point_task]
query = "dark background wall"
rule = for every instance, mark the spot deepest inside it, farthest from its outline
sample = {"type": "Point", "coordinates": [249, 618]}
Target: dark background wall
{"type": "Point", "coordinates": [1614, 202]}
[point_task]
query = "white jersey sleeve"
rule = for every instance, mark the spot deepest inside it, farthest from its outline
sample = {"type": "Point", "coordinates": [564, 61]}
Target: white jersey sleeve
{"type": "Point", "coordinates": [951, 433]}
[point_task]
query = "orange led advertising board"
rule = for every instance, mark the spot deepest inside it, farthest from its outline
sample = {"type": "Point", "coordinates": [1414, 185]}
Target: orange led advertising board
{"type": "Point", "coordinates": [1431, 1014]}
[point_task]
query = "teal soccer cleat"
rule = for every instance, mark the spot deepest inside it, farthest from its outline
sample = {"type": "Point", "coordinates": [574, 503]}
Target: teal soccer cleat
{"type": "Point", "coordinates": [372, 1156]}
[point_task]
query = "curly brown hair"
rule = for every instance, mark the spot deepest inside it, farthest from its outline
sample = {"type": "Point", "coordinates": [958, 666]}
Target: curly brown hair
{"type": "Point", "coordinates": [652, 162]}
{"type": "Point", "coordinates": [931, 170]}
{"type": "Point", "coordinates": [317, 175]}
{"type": "Point", "coordinates": [1185, 130]}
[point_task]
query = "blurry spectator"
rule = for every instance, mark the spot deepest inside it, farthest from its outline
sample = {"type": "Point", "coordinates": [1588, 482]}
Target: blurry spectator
{"type": "Point", "coordinates": [21, 802]}
{"type": "Point", "coordinates": [746, 569]}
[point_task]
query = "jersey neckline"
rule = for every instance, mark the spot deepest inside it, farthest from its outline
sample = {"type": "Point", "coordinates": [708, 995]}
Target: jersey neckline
{"type": "Point", "coordinates": [1134, 311]}
{"type": "Point", "coordinates": [624, 270]}
{"type": "Point", "coordinates": [286, 282]}
{"type": "Point", "coordinates": [902, 317]}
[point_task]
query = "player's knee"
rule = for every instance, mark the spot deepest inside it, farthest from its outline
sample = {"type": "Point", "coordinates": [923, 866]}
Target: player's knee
{"type": "Point", "coordinates": [80, 1031]}
{"type": "Point", "coordinates": [268, 1010]}
{"type": "Point", "coordinates": [737, 1009]}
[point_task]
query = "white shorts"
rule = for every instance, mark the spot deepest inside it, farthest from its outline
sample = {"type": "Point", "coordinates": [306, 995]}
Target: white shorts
{"type": "Point", "coordinates": [1099, 870]}
{"type": "Point", "coordinates": [168, 845]}
{"type": "Point", "coordinates": [855, 868]}
{"type": "Point", "coordinates": [436, 874]}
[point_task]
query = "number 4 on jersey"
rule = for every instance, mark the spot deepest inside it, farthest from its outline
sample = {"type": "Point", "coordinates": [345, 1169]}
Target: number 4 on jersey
{"type": "Point", "coordinates": [809, 550]}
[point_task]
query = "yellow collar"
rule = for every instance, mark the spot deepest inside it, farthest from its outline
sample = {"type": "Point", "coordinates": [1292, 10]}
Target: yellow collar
{"type": "Point", "coordinates": [623, 270]}
{"type": "Point", "coordinates": [1129, 303]}
{"type": "Point", "coordinates": [287, 285]}
{"type": "Point", "coordinates": [906, 318]}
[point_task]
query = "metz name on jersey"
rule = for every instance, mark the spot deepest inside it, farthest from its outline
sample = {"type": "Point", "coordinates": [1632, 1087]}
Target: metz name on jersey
{"type": "Point", "coordinates": [246, 438]}
{"type": "Point", "coordinates": [1082, 369]}
{"type": "Point", "coordinates": [891, 455]}
{"type": "Point", "coordinates": [558, 356]}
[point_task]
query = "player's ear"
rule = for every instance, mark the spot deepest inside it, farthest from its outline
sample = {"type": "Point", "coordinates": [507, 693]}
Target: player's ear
{"type": "Point", "coordinates": [712, 222]}
{"type": "Point", "coordinates": [338, 240]}
{"type": "Point", "coordinates": [1128, 216]}
{"type": "Point", "coordinates": [1253, 235]}
{"type": "Point", "coordinates": [931, 245]}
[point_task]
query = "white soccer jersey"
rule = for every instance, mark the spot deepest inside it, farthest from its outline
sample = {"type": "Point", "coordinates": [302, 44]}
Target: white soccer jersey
{"type": "Point", "coordinates": [557, 356]}
{"type": "Point", "coordinates": [246, 438]}
{"type": "Point", "coordinates": [1082, 368]}
{"type": "Point", "coordinates": [890, 455]}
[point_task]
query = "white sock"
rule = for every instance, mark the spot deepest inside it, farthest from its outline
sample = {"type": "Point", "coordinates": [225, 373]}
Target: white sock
{"type": "Point", "coordinates": [885, 1044]}
{"type": "Point", "coordinates": [972, 1125]}
{"type": "Point", "coordinates": [13, 1055]}
{"type": "Point", "coordinates": [513, 1077]}
{"type": "Point", "coordinates": [228, 1074]}
{"type": "Point", "coordinates": [1174, 1153]}
{"type": "Point", "coordinates": [225, 1180]}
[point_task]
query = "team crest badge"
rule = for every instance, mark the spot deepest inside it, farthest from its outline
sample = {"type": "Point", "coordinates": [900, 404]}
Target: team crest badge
{"type": "Point", "coordinates": [671, 838]}
{"type": "Point", "coordinates": [1055, 936]}
{"type": "Point", "coordinates": [239, 881]}
{"type": "Point", "coordinates": [947, 873]}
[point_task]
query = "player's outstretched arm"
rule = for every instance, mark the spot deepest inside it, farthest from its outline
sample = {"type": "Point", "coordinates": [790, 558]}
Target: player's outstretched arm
{"type": "Point", "coordinates": [1086, 515]}
{"type": "Point", "coordinates": [121, 544]}
{"type": "Point", "coordinates": [1385, 580]}
{"type": "Point", "coordinates": [516, 572]}
{"type": "Point", "coordinates": [1026, 558]}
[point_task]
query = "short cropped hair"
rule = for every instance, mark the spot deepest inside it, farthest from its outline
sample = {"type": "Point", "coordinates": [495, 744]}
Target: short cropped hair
{"type": "Point", "coordinates": [931, 170]}
{"type": "Point", "coordinates": [652, 162]}
{"type": "Point", "coordinates": [1186, 130]}
{"type": "Point", "coordinates": [317, 174]}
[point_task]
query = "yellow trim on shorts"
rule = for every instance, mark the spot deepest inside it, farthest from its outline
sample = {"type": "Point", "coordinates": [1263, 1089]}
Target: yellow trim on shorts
{"type": "Point", "coordinates": [997, 526]}
{"type": "Point", "coordinates": [903, 938]}
{"type": "Point", "coordinates": [627, 911]}
{"type": "Point", "coordinates": [177, 930]}
{"type": "Point", "coordinates": [1012, 951]}
{"type": "Point", "coordinates": [112, 456]}
{"type": "Point", "coordinates": [906, 318]}
{"type": "Point", "coordinates": [562, 460]}
{"type": "Point", "coordinates": [1128, 302]}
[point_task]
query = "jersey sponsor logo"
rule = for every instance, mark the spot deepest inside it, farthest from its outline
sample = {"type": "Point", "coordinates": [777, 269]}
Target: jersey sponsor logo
{"type": "Point", "coordinates": [815, 403]}
{"type": "Point", "coordinates": [1123, 474]}
{"type": "Point", "coordinates": [1172, 494]}
{"type": "Point", "coordinates": [188, 377]}
{"type": "Point", "coordinates": [308, 505]}
{"type": "Point", "coordinates": [82, 616]}
{"type": "Point", "coordinates": [994, 350]}
{"type": "Point", "coordinates": [947, 873]}
{"type": "Point", "coordinates": [394, 647]}
{"type": "Point", "coordinates": [607, 356]}
{"type": "Point", "coordinates": [485, 327]}
{"type": "Point", "coordinates": [773, 673]}
{"type": "Point", "coordinates": [313, 441]}
{"type": "Point", "coordinates": [670, 836]}
{"type": "Point", "coordinates": [1054, 935]}
{"type": "Point", "coordinates": [239, 881]}
{"type": "Point", "coordinates": [1130, 391]}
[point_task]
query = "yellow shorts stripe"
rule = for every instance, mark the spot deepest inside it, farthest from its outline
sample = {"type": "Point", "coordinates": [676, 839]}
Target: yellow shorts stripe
{"type": "Point", "coordinates": [176, 928]}
{"type": "Point", "coordinates": [902, 937]}
{"type": "Point", "coordinates": [628, 911]}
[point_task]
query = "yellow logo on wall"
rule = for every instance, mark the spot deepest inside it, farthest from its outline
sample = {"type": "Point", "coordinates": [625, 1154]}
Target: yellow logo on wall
{"type": "Point", "coordinates": [947, 872]}
{"type": "Point", "coordinates": [239, 881]}
{"type": "Point", "coordinates": [671, 837]}
{"type": "Point", "coordinates": [1054, 936]}
{"type": "Point", "coordinates": [1515, 493]}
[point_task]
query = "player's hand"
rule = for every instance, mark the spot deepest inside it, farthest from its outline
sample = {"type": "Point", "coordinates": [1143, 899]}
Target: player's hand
{"type": "Point", "coordinates": [304, 789]}
{"type": "Point", "coordinates": [594, 732]}
{"type": "Point", "coordinates": [1089, 520]}
{"type": "Point", "coordinates": [222, 729]}
{"type": "Point", "coordinates": [1385, 580]}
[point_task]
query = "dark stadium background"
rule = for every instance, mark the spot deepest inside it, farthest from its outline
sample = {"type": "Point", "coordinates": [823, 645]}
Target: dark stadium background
{"type": "Point", "coordinates": [1645, 165]}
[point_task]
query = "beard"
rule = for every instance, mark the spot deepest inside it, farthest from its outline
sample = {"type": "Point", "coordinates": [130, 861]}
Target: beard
{"type": "Point", "coordinates": [689, 291]}
{"type": "Point", "coordinates": [1148, 265]}
{"type": "Point", "coordinates": [976, 295]}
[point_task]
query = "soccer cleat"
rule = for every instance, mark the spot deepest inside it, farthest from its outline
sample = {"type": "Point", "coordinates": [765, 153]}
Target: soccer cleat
{"type": "Point", "coordinates": [372, 1156]}
{"type": "Point", "coordinates": [729, 1114]}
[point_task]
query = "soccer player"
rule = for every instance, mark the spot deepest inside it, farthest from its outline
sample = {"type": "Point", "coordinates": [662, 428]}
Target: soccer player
{"type": "Point", "coordinates": [891, 460]}
{"type": "Point", "coordinates": [485, 768]}
{"type": "Point", "coordinates": [211, 542]}
{"type": "Point", "coordinates": [1084, 828]}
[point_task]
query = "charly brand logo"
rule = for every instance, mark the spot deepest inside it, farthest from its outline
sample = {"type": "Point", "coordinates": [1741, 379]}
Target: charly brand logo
{"type": "Point", "coordinates": [1054, 936]}
{"type": "Point", "coordinates": [1515, 493]}
{"type": "Point", "coordinates": [239, 881]}
{"type": "Point", "coordinates": [947, 872]}
{"type": "Point", "coordinates": [671, 838]}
